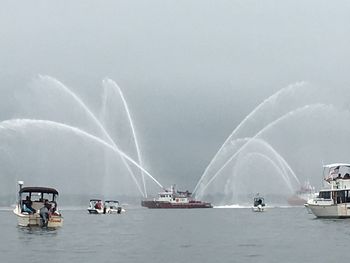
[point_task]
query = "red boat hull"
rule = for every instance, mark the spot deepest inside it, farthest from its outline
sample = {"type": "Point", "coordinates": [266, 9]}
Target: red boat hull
{"type": "Point", "coordinates": [159, 204]}
{"type": "Point", "coordinates": [296, 201]}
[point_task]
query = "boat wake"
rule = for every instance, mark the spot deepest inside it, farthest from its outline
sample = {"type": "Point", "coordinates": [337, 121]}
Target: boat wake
{"type": "Point", "coordinates": [236, 206]}
{"type": "Point", "coordinates": [232, 206]}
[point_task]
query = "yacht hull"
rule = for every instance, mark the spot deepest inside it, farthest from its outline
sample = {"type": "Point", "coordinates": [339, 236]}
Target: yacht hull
{"type": "Point", "coordinates": [330, 211]}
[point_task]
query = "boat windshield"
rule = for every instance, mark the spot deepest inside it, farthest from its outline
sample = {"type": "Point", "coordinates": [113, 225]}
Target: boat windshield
{"type": "Point", "coordinates": [325, 195]}
{"type": "Point", "coordinates": [111, 203]}
{"type": "Point", "coordinates": [258, 201]}
{"type": "Point", "coordinates": [39, 197]}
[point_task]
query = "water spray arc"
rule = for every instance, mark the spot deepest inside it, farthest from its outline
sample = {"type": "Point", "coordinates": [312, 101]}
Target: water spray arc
{"type": "Point", "coordinates": [283, 165]}
{"type": "Point", "coordinates": [278, 168]}
{"type": "Point", "coordinates": [61, 86]}
{"type": "Point", "coordinates": [245, 120]}
{"type": "Point", "coordinates": [16, 124]}
{"type": "Point", "coordinates": [110, 83]}
{"type": "Point", "coordinates": [269, 126]}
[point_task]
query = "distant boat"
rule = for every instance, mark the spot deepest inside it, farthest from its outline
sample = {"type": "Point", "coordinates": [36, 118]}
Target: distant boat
{"type": "Point", "coordinates": [38, 208]}
{"type": "Point", "coordinates": [170, 198]}
{"type": "Point", "coordinates": [306, 192]}
{"type": "Point", "coordinates": [97, 206]}
{"type": "Point", "coordinates": [333, 201]}
{"type": "Point", "coordinates": [258, 204]}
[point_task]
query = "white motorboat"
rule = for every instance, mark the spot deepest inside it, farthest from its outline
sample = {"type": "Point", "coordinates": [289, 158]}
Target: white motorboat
{"type": "Point", "coordinates": [333, 201]}
{"type": "Point", "coordinates": [97, 206]}
{"type": "Point", "coordinates": [112, 207]}
{"type": "Point", "coordinates": [37, 206]}
{"type": "Point", "coordinates": [259, 204]}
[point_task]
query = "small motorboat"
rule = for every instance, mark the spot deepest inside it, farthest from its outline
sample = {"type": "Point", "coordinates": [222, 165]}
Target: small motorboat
{"type": "Point", "coordinates": [97, 206]}
{"type": "Point", "coordinates": [37, 206]}
{"type": "Point", "coordinates": [259, 204]}
{"type": "Point", "coordinates": [112, 207]}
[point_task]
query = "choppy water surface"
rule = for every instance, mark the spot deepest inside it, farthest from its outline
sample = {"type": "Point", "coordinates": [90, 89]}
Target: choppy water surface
{"type": "Point", "coordinates": [203, 235]}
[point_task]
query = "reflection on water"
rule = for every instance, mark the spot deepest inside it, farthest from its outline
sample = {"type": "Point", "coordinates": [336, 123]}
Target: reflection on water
{"type": "Point", "coordinates": [42, 237]}
{"type": "Point", "coordinates": [36, 230]}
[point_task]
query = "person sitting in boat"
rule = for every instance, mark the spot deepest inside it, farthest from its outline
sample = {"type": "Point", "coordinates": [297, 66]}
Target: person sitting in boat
{"type": "Point", "coordinates": [53, 208]}
{"type": "Point", "coordinates": [27, 205]}
{"type": "Point", "coordinates": [98, 205]}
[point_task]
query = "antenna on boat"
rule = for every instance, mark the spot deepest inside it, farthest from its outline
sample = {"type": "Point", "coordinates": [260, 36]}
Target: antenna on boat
{"type": "Point", "coordinates": [20, 183]}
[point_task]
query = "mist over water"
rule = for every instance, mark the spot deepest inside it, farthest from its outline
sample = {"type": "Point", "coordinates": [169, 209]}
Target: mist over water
{"type": "Point", "coordinates": [56, 139]}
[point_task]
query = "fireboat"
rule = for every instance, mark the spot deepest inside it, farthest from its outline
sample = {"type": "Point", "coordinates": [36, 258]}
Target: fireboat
{"type": "Point", "coordinates": [170, 198]}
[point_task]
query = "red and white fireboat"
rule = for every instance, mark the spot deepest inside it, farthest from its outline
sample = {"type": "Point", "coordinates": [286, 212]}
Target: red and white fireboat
{"type": "Point", "coordinates": [170, 198]}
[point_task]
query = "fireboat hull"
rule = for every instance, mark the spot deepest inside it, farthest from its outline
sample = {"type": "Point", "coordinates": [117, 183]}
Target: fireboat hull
{"type": "Point", "coordinates": [167, 205]}
{"type": "Point", "coordinates": [296, 201]}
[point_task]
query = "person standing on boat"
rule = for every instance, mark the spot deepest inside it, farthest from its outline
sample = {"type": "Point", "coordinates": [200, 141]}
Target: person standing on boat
{"type": "Point", "coordinates": [44, 213]}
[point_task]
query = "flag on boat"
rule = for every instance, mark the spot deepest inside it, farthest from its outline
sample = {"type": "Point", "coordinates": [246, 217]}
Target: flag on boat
{"type": "Point", "coordinates": [333, 173]}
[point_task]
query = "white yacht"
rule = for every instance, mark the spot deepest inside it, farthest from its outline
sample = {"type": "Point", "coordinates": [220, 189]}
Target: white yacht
{"type": "Point", "coordinates": [37, 206]}
{"type": "Point", "coordinates": [333, 201]}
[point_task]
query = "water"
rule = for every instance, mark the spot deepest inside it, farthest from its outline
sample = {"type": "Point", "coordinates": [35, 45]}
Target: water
{"type": "Point", "coordinates": [203, 235]}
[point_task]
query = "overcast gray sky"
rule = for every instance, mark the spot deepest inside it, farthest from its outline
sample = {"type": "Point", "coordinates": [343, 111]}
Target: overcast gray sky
{"type": "Point", "coordinates": [190, 70]}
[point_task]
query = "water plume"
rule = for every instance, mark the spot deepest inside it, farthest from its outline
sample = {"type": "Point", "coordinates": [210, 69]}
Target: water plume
{"type": "Point", "coordinates": [251, 140]}
{"type": "Point", "coordinates": [251, 116]}
{"type": "Point", "coordinates": [15, 125]}
{"type": "Point", "coordinates": [111, 84]}
{"type": "Point", "coordinates": [57, 84]}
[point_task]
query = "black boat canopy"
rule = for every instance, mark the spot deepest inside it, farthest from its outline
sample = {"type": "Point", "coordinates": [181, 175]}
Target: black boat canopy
{"type": "Point", "coordinates": [36, 189]}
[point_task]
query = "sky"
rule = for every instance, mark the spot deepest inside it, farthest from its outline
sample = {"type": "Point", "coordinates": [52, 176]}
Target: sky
{"type": "Point", "coordinates": [190, 70]}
